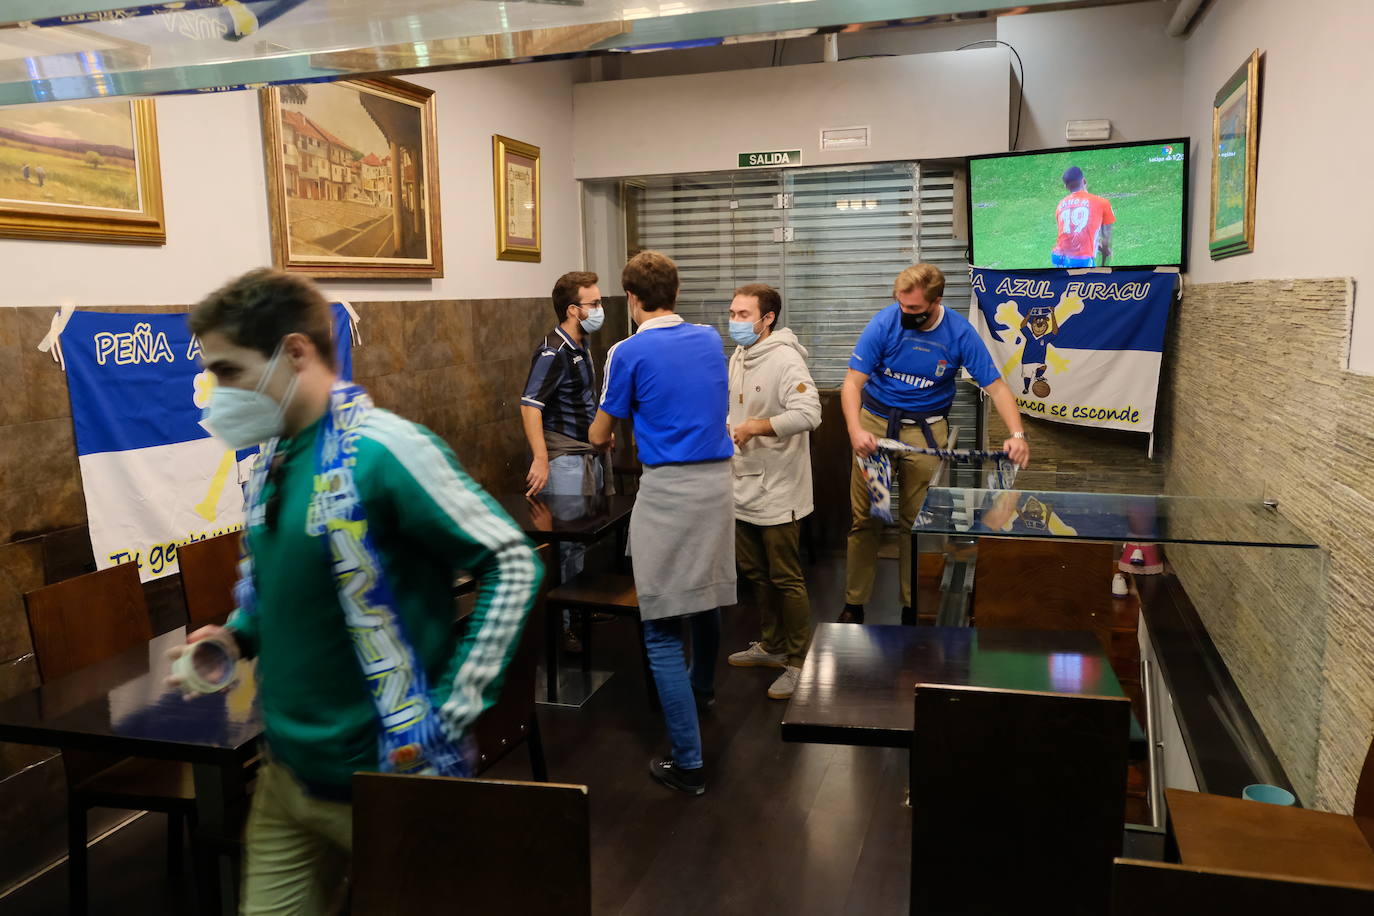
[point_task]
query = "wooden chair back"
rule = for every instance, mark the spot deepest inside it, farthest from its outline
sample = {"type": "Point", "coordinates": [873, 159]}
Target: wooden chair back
{"type": "Point", "coordinates": [1043, 772]}
{"type": "Point", "coordinates": [1141, 888]}
{"type": "Point", "coordinates": [209, 570]}
{"type": "Point", "coordinates": [507, 722]}
{"type": "Point", "coordinates": [1364, 797]}
{"type": "Point", "coordinates": [81, 621]}
{"type": "Point", "coordinates": [426, 844]}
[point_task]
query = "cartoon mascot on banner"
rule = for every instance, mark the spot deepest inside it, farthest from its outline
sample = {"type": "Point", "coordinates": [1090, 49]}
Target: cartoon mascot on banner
{"type": "Point", "coordinates": [1035, 330]}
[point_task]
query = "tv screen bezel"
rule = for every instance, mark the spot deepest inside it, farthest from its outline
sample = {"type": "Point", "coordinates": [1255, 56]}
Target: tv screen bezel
{"type": "Point", "coordinates": [1181, 264]}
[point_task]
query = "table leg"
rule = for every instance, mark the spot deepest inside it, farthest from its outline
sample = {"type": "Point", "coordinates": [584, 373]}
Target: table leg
{"type": "Point", "coordinates": [915, 578]}
{"type": "Point", "coordinates": [219, 788]}
{"type": "Point", "coordinates": [553, 630]}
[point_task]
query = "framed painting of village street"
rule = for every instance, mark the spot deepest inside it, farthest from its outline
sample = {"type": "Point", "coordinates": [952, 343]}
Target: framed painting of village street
{"type": "Point", "coordinates": [81, 172]}
{"type": "Point", "coordinates": [353, 179]}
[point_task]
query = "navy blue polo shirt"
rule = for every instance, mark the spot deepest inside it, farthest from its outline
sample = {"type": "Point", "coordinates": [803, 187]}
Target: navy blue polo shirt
{"type": "Point", "coordinates": [671, 378]}
{"type": "Point", "coordinates": [562, 386]}
{"type": "Point", "coordinates": [914, 371]}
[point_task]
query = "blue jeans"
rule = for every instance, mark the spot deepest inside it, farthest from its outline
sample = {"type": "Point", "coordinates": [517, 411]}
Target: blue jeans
{"type": "Point", "coordinates": [676, 679]}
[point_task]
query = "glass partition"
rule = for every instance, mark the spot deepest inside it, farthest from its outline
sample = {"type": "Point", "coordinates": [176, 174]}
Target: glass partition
{"type": "Point", "coordinates": [1256, 580]}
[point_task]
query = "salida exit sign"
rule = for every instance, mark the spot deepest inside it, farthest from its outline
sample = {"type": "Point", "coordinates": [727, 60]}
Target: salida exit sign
{"type": "Point", "coordinates": [770, 160]}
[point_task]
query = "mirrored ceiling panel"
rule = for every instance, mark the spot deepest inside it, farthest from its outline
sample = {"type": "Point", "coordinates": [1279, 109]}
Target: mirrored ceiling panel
{"type": "Point", "coordinates": [59, 50]}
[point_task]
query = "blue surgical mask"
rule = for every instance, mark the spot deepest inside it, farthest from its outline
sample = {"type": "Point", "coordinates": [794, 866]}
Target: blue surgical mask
{"type": "Point", "coordinates": [594, 319]}
{"type": "Point", "coordinates": [743, 333]}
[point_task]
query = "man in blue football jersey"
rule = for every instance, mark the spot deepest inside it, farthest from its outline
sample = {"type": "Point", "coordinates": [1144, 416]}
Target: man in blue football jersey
{"type": "Point", "coordinates": [900, 385]}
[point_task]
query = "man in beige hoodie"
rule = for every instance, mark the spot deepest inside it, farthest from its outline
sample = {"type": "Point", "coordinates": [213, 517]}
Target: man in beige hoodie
{"type": "Point", "coordinates": [773, 408]}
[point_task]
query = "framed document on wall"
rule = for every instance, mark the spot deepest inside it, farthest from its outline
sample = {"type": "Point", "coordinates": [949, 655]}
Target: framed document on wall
{"type": "Point", "coordinates": [81, 172]}
{"type": "Point", "coordinates": [515, 187]}
{"type": "Point", "coordinates": [1235, 146]}
{"type": "Point", "coordinates": [353, 179]}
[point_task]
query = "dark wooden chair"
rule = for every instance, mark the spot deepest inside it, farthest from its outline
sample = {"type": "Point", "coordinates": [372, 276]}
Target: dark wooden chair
{"type": "Point", "coordinates": [74, 624]}
{"type": "Point", "coordinates": [512, 718]}
{"type": "Point", "coordinates": [604, 592]}
{"type": "Point", "coordinates": [426, 844]}
{"type": "Point", "coordinates": [1142, 888]}
{"type": "Point", "coordinates": [209, 570]}
{"type": "Point", "coordinates": [1045, 773]}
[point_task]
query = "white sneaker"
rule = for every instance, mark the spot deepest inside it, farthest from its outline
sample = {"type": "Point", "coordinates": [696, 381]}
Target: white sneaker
{"type": "Point", "coordinates": [785, 684]}
{"type": "Point", "coordinates": [757, 656]}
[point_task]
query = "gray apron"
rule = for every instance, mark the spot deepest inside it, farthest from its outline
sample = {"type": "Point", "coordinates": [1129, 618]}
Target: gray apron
{"type": "Point", "coordinates": [682, 539]}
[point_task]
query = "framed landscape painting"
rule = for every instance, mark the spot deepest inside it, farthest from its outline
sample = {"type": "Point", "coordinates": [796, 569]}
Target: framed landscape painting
{"type": "Point", "coordinates": [353, 179]}
{"type": "Point", "coordinates": [81, 172]}
{"type": "Point", "coordinates": [1235, 148]}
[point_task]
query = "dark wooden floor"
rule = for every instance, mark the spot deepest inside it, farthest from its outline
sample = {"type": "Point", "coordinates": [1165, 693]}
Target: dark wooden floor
{"type": "Point", "coordinates": [782, 829]}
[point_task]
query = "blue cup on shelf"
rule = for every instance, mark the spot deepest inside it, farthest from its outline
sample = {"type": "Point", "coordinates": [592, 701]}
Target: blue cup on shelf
{"type": "Point", "coordinates": [1271, 795]}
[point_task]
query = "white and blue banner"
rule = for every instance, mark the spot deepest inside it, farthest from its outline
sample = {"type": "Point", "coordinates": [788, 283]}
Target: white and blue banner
{"type": "Point", "coordinates": [1077, 347]}
{"type": "Point", "coordinates": [154, 479]}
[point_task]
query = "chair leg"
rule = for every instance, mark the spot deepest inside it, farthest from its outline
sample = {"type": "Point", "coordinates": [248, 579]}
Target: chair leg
{"type": "Point", "coordinates": [585, 626]}
{"type": "Point", "coordinates": [76, 858]}
{"type": "Point", "coordinates": [176, 841]}
{"type": "Point", "coordinates": [649, 683]}
{"type": "Point", "coordinates": [539, 768]}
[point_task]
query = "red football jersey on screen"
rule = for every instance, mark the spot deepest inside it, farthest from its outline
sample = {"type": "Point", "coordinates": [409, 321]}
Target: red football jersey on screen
{"type": "Point", "coordinates": [1080, 216]}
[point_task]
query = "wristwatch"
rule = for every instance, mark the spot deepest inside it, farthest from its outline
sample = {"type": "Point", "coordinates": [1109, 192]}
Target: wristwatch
{"type": "Point", "coordinates": [1018, 435]}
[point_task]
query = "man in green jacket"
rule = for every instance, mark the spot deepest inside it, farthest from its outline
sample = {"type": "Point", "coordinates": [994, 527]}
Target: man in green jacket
{"type": "Point", "coordinates": [357, 521]}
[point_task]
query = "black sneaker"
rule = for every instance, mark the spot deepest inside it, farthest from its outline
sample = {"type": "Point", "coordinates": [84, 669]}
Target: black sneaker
{"type": "Point", "coordinates": [705, 700]}
{"type": "Point", "coordinates": [666, 771]}
{"type": "Point", "coordinates": [852, 613]}
{"type": "Point", "coordinates": [908, 617]}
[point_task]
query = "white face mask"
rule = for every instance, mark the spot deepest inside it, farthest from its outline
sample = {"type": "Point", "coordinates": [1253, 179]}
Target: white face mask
{"type": "Point", "coordinates": [242, 419]}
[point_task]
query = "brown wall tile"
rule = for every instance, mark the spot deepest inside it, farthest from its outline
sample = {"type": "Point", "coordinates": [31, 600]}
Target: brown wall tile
{"type": "Point", "coordinates": [21, 570]}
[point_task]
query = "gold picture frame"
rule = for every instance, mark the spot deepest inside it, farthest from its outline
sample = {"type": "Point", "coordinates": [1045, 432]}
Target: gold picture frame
{"type": "Point", "coordinates": [82, 172]}
{"type": "Point", "coordinates": [515, 190]}
{"type": "Point", "coordinates": [1235, 150]}
{"type": "Point", "coordinates": [353, 179]}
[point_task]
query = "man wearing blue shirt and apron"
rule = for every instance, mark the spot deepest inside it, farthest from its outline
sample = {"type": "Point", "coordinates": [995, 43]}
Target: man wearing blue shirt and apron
{"type": "Point", "coordinates": [900, 385]}
{"type": "Point", "coordinates": [670, 378]}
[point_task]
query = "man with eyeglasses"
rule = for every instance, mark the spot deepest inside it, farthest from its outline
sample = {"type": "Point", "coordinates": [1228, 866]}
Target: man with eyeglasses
{"type": "Point", "coordinates": [556, 410]}
{"type": "Point", "coordinates": [357, 522]}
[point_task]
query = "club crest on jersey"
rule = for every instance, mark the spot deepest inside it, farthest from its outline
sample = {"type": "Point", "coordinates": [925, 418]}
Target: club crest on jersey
{"type": "Point", "coordinates": [940, 368]}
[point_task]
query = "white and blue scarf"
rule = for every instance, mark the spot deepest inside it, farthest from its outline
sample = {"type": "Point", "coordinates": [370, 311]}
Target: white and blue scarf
{"type": "Point", "coordinates": [877, 470]}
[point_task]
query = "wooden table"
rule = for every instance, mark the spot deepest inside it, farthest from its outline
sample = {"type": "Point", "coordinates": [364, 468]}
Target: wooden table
{"type": "Point", "coordinates": [1217, 831]}
{"type": "Point", "coordinates": [574, 520]}
{"type": "Point", "coordinates": [121, 706]}
{"type": "Point", "coordinates": [857, 685]}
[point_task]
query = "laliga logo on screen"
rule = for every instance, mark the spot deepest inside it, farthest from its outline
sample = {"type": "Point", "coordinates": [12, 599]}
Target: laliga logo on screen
{"type": "Point", "coordinates": [1167, 154]}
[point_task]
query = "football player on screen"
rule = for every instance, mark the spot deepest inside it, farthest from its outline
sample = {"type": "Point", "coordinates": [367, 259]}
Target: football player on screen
{"type": "Point", "coordinates": [1084, 222]}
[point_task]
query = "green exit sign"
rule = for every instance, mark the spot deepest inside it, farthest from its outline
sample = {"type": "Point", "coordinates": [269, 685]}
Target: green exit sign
{"type": "Point", "coordinates": [770, 160]}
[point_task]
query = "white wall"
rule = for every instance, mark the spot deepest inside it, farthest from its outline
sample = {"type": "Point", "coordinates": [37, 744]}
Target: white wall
{"type": "Point", "coordinates": [1111, 62]}
{"type": "Point", "coordinates": [1312, 201]}
{"type": "Point", "coordinates": [214, 186]}
{"type": "Point", "coordinates": [921, 106]}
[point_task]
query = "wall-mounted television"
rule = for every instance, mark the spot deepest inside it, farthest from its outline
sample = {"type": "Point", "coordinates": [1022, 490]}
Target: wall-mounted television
{"type": "Point", "coordinates": [1120, 205]}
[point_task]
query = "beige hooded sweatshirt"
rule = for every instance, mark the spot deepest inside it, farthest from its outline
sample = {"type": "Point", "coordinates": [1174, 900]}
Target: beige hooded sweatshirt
{"type": "Point", "coordinates": [773, 473]}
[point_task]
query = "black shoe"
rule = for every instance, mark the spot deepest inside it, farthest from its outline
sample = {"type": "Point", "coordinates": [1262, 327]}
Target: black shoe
{"type": "Point", "coordinates": [908, 617]}
{"type": "Point", "coordinates": [704, 700]}
{"type": "Point", "coordinates": [666, 771]}
{"type": "Point", "coordinates": [852, 613]}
